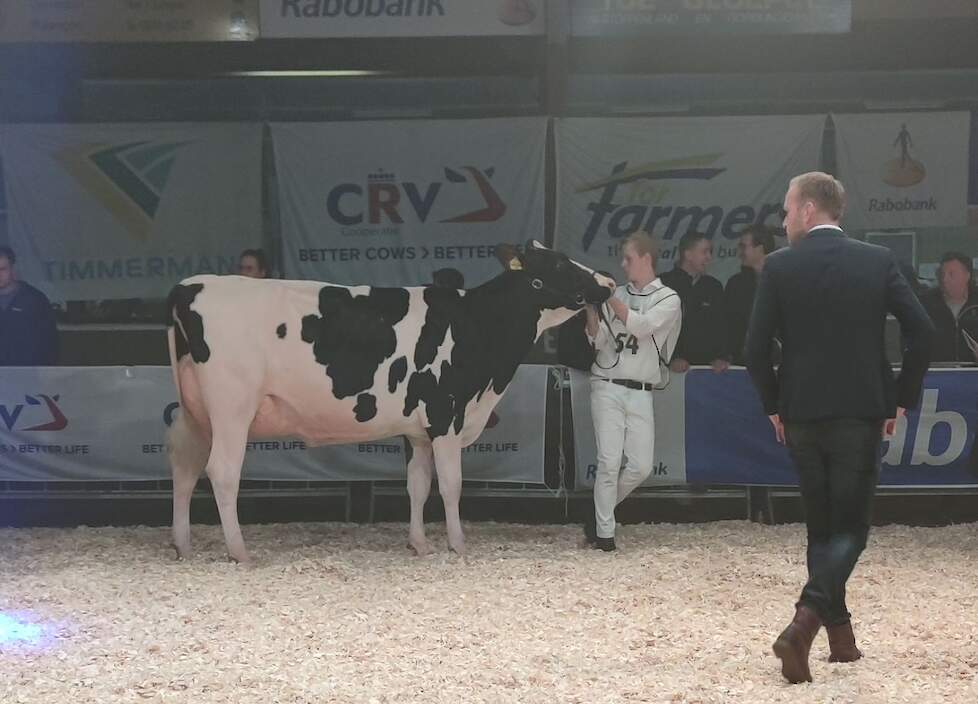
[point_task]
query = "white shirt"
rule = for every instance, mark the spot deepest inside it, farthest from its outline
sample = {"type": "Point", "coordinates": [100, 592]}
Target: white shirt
{"type": "Point", "coordinates": [654, 318]}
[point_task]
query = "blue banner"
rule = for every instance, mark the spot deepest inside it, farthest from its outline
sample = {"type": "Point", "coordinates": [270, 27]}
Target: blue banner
{"type": "Point", "coordinates": [598, 18]}
{"type": "Point", "coordinates": [729, 439]}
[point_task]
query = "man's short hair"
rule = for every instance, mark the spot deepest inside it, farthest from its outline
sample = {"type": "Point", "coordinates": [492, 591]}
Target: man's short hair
{"type": "Point", "coordinates": [824, 190]}
{"type": "Point", "coordinates": [762, 235]}
{"type": "Point", "coordinates": [688, 241]}
{"type": "Point", "coordinates": [642, 242]}
{"type": "Point", "coordinates": [8, 254]}
{"type": "Point", "coordinates": [259, 256]}
{"type": "Point", "coordinates": [960, 257]}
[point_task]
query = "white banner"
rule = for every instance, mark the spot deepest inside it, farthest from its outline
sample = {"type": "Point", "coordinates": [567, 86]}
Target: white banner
{"type": "Point", "coordinates": [108, 424]}
{"type": "Point", "coordinates": [127, 210]}
{"type": "Point", "coordinates": [387, 203]}
{"type": "Point", "coordinates": [669, 460]}
{"type": "Point", "coordinates": [670, 175]}
{"type": "Point", "coordinates": [904, 169]}
{"type": "Point", "coordinates": [400, 18]}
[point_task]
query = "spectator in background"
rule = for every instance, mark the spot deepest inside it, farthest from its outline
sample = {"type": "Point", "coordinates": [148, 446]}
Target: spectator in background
{"type": "Point", "coordinates": [253, 263]}
{"type": "Point", "coordinates": [28, 334]}
{"type": "Point", "coordinates": [756, 242]}
{"type": "Point", "coordinates": [448, 278]}
{"type": "Point", "coordinates": [703, 338]}
{"type": "Point", "coordinates": [953, 308]}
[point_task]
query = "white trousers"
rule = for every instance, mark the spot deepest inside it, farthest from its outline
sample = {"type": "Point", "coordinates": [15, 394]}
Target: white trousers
{"type": "Point", "coordinates": [623, 423]}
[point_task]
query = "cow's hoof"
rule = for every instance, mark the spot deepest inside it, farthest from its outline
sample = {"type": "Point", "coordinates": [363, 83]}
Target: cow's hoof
{"type": "Point", "coordinates": [458, 550]}
{"type": "Point", "coordinates": [182, 553]}
{"type": "Point", "coordinates": [244, 561]}
{"type": "Point", "coordinates": [420, 547]}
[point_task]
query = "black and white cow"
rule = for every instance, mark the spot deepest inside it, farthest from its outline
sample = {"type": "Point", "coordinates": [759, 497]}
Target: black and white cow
{"type": "Point", "coordinates": [338, 364]}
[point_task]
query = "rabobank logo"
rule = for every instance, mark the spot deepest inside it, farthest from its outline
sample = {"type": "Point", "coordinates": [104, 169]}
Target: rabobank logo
{"type": "Point", "coordinates": [33, 414]}
{"type": "Point", "coordinates": [383, 202]}
{"type": "Point", "coordinates": [903, 170]}
{"type": "Point", "coordinates": [640, 198]}
{"type": "Point", "coordinates": [127, 179]}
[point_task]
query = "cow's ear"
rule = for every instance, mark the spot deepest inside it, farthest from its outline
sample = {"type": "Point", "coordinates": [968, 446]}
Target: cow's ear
{"type": "Point", "coordinates": [509, 257]}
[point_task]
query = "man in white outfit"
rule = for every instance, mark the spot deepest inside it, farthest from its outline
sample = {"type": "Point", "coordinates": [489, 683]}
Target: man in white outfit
{"type": "Point", "coordinates": [644, 318]}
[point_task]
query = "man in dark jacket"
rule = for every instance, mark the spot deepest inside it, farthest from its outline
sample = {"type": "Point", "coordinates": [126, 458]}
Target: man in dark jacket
{"type": "Point", "coordinates": [756, 242]}
{"type": "Point", "coordinates": [953, 308]}
{"type": "Point", "coordinates": [827, 298]}
{"type": "Point", "coordinates": [703, 339]}
{"type": "Point", "coordinates": [28, 335]}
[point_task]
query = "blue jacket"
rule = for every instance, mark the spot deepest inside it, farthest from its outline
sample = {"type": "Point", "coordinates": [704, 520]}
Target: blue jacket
{"type": "Point", "coordinates": [28, 334]}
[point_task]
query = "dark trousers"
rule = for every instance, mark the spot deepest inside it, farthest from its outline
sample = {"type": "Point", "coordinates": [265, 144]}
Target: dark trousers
{"type": "Point", "coordinates": [838, 463]}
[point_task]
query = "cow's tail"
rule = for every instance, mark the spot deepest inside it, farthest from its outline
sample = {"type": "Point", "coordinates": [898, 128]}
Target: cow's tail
{"type": "Point", "coordinates": [174, 335]}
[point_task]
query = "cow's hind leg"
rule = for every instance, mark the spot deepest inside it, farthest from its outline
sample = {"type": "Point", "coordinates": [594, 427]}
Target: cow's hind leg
{"type": "Point", "coordinates": [448, 464]}
{"type": "Point", "coordinates": [224, 470]}
{"type": "Point", "coordinates": [187, 450]}
{"type": "Point", "coordinates": [419, 471]}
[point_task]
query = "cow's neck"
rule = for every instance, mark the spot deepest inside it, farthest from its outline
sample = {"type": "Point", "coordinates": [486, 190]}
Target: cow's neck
{"type": "Point", "coordinates": [511, 322]}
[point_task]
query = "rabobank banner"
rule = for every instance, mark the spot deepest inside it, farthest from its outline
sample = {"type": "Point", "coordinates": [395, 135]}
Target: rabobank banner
{"type": "Point", "coordinates": [670, 175]}
{"type": "Point", "coordinates": [127, 210]}
{"type": "Point", "coordinates": [904, 169]}
{"type": "Point", "coordinates": [108, 424]}
{"type": "Point", "coordinates": [400, 18]}
{"type": "Point", "coordinates": [669, 458]}
{"type": "Point", "coordinates": [729, 440]}
{"type": "Point", "coordinates": [388, 203]}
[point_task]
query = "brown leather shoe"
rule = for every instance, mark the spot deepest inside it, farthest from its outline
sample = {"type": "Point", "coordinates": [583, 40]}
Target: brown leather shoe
{"type": "Point", "coordinates": [793, 644]}
{"type": "Point", "coordinates": [842, 643]}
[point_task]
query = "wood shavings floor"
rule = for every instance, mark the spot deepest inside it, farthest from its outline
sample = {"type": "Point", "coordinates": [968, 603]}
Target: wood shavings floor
{"type": "Point", "coordinates": [342, 613]}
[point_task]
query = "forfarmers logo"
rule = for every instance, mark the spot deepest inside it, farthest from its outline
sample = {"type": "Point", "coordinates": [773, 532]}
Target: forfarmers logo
{"type": "Point", "coordinates": [640, 198]}
{"type": "Point", "coordinates": [37, 413]}
{"type": "Point", "coordinates": [127, 179]}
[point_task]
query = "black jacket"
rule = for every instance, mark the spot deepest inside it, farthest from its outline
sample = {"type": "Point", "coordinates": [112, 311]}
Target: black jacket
{"type": "Point", "coordinates": [827, 298]}
{"type": "Point", "coordinates": [703, 337]}
{"type": "Point", "coordinates": [949, 344]}
{"type": "Point", "coordinates": [738, 300]}
{"type": "Point", "coordinates": [28, 334]}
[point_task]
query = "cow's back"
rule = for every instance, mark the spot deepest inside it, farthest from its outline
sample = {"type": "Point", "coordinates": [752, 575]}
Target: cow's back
{"type": "Point", "coordinates": [324, 362]}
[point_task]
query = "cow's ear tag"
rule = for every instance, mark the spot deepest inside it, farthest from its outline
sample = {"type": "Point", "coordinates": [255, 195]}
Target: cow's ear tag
{"type": "Point", "coordinates": [515, 264]}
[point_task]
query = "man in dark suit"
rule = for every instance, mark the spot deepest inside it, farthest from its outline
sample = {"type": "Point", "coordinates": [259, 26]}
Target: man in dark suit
{"type": "Point", "coordinates": [833, 398]}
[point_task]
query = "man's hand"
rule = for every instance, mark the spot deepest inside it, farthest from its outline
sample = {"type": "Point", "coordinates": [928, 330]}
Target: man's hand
{"type": "Point", "coordinates": [889, 426]}
{"type": "Point", "coordinates": [619, 309]}
{"type": "Point", "coordinates": [778, 427]}
{"type": "Point", "coordinates": [679, 365]}
{"type": "Point", "coordinates": [591, 322]}
{"type": "Point", "coordinates": [720, 365]}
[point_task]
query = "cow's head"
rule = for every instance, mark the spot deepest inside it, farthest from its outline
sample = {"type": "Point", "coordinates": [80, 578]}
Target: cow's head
{"type": "Point", "coordinates": [555, 282]}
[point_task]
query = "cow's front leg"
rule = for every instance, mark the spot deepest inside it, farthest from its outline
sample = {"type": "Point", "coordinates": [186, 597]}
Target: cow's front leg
{"type": "Point", "coordinates": [448, 464]}
{"type": "Point", "coordinates": [419, 469]}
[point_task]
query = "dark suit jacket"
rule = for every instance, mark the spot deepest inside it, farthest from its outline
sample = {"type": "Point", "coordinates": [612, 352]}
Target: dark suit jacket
{"type": "Point", "coordinates": [827, 298]}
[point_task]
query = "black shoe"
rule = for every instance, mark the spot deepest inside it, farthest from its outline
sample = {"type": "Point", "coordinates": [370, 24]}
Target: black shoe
{"type": "Point", "coordinates": [590, 528]}
{"type": "Point", "coordinates": [606, 544]}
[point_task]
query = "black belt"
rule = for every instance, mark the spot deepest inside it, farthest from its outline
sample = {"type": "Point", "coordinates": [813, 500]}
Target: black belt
{"type": "Point", "coordinates": [629, 384]}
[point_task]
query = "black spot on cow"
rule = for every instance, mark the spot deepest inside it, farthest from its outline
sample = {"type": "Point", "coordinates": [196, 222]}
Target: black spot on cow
{"type": "Point", "coordinates": [398, 373]}
{"type": "Point", "coordinates": [444, 306]}
{"type": "Point", "coordinates": [353, 335]}
{"type": "Point", "coordinates": [189, 334]}
{"type": "Point", "coordinates": [280, 331]}
{"type": "Point", "coordinates": [493, 328]}
{"type": "Point", "coordinates": [366, 407]}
